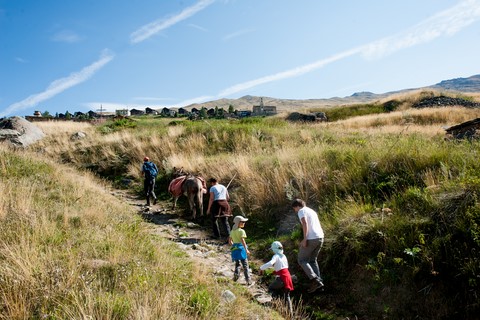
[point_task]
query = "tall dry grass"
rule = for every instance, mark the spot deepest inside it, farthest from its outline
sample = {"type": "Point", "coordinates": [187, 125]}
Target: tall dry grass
{"type": "Point", "coordinates": [70, 250]}
{"type": "Point", "coordinates": [425, 121]}
{"type": "Point", "coordinates": [347, 170]}
{"type": "Point", "coordinates": [270, 160]}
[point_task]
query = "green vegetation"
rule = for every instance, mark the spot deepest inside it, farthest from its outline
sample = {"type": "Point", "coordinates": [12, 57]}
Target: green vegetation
{"type": "Point", "coordinates": [117, 125]}
{"type": "Point", "coordinates": [399, 204]}
{"type": "Point", "coordinates": [345, 112]}
{"type": "Point", "coordinates": [70, 250]}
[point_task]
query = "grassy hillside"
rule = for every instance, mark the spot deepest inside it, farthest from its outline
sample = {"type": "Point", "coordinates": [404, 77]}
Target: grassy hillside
{"type": "Point", "coordinates": [399, 204]}
{"type": "Point", "coordinates": [70, 250]}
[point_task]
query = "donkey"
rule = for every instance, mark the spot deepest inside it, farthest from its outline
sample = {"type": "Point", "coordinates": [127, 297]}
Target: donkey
{"type": "Point", "coordinates": [192, 186]}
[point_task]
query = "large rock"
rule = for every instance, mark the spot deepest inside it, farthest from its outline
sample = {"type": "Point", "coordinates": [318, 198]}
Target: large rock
{"type": "Point", "coordinates": [311, 117]}
{"type": "Point", "coordinates": [19, 132]}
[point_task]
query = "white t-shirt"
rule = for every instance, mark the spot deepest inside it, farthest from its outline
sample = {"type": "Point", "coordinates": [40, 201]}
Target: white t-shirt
{"type": "Point", "coordinates": [219, 192]}
{"type": "Point", "coordinates": [315, 230]}
{"type": "Point", "coordinates": [277, 261]}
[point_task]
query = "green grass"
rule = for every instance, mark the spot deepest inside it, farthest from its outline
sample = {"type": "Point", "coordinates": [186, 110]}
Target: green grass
{"type": "Point", "coordinates": [69, 250]}
{"type": "Point", "coordinates": [400, 210]}
{"type": "Point", "coordinates": [344, 112]}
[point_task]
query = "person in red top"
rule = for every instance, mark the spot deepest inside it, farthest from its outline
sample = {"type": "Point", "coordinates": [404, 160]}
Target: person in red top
{"type": "Point", "coordinates": [282, 284]}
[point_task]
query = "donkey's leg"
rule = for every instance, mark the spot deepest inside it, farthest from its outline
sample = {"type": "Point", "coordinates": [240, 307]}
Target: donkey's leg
{"type": "Point", "coordinates": [174, 202]}
{"type": "Point", "coordinates": [200, 202]}
{"type": "Point", "coordinates": [191, 202]}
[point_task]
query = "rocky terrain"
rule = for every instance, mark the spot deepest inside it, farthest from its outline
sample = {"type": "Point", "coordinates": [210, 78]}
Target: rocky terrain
{"type": "Point", "coordinates": [194, 240]}
{"type": "Point", "coordinates": [443, 101]}
{"type": "Point", "coordinates": [19, 132]}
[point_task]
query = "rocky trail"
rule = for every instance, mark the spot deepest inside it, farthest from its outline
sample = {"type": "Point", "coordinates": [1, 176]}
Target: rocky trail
{"type": "Point", "coordinates": [193, 239]}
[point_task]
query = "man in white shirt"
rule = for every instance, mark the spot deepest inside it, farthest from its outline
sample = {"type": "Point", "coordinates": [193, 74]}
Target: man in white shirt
{"type": "Point", "coordinates": [311, 243]}
{"type": "Point", "coordinates": [219, 208]}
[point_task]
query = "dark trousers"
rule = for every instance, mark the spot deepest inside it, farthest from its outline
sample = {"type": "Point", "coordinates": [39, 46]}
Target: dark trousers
{"type": "Point", "coordinates": [219, 223]}
{"type": "Point", "coordinates": [220, 212]}
{"type": "Point", "coordinates": [148, 188]}
{"type": "Point", "coordinates": [245, 269]}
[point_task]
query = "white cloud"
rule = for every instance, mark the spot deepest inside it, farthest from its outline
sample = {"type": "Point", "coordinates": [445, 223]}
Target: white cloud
{"type": "Point", "coordinates": [153, 28]}
{"type": "Point", "coordinates": [66, 36]}
{"type": "Point", "coordinates": [445, 23]}
{"type": "Point", "coordinates": [21, 60]}
{"type": "Point", "coordinates": [60, 85]}
{"type": "Point", "coordinates": [295, 72]}
{"type": "Point", "coordinates": [237, 34]}
{"type": "Point", "coordinates": [198, 27]}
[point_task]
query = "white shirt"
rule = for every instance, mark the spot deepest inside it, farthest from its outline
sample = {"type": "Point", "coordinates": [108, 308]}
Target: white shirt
{"type": "Point", "coordinates": [219, 192]}
{"type": "Point", "coordinates": [315, 230]}
{"type": "Point", "coordinates": [277, 261]}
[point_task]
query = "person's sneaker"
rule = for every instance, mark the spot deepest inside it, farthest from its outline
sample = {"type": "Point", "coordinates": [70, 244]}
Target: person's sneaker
{"type": "Point", "coordinates": [250, 283]}
{"type": "Point", "coordinates": [235, 277]}
{"type": "Point", "coordinates": [155, 201]}
{"type": "Point", "coordinates": [315, 285]}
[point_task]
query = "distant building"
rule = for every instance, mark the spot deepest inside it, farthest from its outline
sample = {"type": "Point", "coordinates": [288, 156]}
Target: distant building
{"type": "Point", "coordinates": [173, 112]}
{"type": "Point", "coordinates": [122, 112]}
{"type": "Point", "coordinates": [151, 111]}
{"type": "Point", "coordinates": [136, 112]}
{"type": "Point", "coordinates": [263, 110]}
{"type": "Point", "coordinates": [105, 114]}
{"type": "Point", "coordinates": [243, 113]}
{"type": "Point", "coordinates": [37, 114]}
{"type": "Point", "coordinates": [165, 111]}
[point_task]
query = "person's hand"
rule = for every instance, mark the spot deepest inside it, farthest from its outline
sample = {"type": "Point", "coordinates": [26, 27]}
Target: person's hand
{"type": "Point", "coordinates": [260, 272]}
{"type": "Point", "coordinates": [304, 243]}
{"type": "Point", "coordinates": [248, 252]}
{"type": "Point", "coordinates": [208, 211]}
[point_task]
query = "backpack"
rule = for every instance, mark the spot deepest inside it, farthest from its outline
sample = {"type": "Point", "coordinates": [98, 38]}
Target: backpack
{"type": "Point", "coordinates": [150, 170]}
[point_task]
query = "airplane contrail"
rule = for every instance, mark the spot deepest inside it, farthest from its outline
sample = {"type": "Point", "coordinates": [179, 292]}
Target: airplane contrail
{"type": "Point", "coordinates": [444, 23]}
{"type": "Point", "coordinates": [60, 85]}
{"type": "Point", "coordinates": [153, 28]}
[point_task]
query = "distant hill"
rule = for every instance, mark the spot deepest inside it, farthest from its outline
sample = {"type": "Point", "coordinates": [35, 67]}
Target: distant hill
{"type": "Point", "coordinates": [471, 84]}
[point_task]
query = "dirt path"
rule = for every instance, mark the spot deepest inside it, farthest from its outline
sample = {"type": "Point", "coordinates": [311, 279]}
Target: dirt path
{"type": "Point", "coordinates": [194, 239]}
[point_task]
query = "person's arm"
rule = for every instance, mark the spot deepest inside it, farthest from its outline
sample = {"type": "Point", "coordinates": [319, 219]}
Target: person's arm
{"type": "Point", "coordinates": [228, 196]}
{"type": "Point", "coordinates": [230, 240]}
{"type": "Point", "coordinates": [245, 245]}
{"type": "Point", "coordinates": [210, 201]}
{"type": "Point", "coordinates": [305, 232]}
{"type": "Point", "coordinates": [269, 264]}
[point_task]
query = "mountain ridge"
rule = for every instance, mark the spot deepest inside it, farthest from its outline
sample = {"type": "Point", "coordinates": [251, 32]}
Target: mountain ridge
{"type": "Point", "coordinates": [465, 85]}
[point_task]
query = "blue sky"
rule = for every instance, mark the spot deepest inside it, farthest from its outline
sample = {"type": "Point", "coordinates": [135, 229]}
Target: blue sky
{"type": "Point", "coordinates": [60, 55]}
